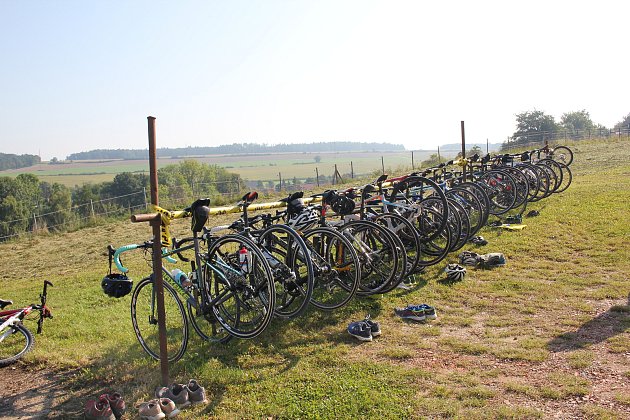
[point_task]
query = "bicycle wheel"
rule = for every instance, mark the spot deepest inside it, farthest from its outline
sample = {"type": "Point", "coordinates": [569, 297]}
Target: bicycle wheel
{"type": "Point", "coordinates": [472, 206]}
{"type": "Point", "coordinates": [377, 254]}
{"type": "Point", "coordinates": [562, 154]}
{"type": "Point", "coordinates": [336, 267]}
{"type": "Point", "coordinates": [292, 269]}
{"type": "Point", "coordinates": [407, 233]}
{"type": "Point", "coordinates": [501, 189]}
{"type": "Point", "coordinates": [17, 340]}
{"type": "Point", "coordinates": [206, 325]}
{"type": "Point", "coordinates": [238, 286]}
{"type": "Point", "coordinates": [144, 318]}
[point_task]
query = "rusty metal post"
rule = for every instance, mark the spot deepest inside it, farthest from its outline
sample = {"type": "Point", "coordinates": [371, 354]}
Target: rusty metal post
{"type": "Point", "coordinates": [157, 254]}
{"type": "Point", "coordinates": [463, 150]}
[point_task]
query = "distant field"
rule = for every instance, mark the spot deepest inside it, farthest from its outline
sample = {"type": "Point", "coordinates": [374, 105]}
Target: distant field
{"type": "Point", "coordinates": [250, 167]}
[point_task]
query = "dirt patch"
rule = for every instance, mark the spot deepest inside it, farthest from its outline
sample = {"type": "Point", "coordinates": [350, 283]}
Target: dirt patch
{"type": "Point", "coordinates": [35, 393]}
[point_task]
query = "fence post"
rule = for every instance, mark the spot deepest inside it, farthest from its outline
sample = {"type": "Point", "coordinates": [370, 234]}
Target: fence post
{"type": "Point", "coordinates": [619, 133]}
{"type": "Point", "coordinates": [317, 176]}
{"type": "Point", "coordinates": [92, 209]}
{"type": "Point", "coordinates": [144, 194]}
{"type": "Point", "coordinates": [439, 158]}
{"type": "Point", "coordinates": [412, 165]}
{"type": "Point", "coordinates": [351, 170]}
{"type": "Point", "coordinates": [383, 165]}
{"type": "Point", "coordinates": [34, 222]}
{"type": "Point", "coordinates": [280, 184]}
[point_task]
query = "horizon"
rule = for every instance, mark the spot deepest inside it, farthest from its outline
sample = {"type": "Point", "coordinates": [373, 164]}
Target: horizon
{"type": "Point", "coordinates": [86, 75]}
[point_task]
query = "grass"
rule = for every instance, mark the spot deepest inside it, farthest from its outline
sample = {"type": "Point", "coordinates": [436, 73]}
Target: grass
{"type": "Point", "coordinates": [515, 342]}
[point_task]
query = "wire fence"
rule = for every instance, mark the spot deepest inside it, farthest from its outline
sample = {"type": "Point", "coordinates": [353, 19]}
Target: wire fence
{"type": "Point", "coordinates": [538, 138]}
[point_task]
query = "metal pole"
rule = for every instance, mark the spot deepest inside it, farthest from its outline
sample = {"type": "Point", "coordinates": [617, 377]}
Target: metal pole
{"type": "Point", "coordinates": [157, 254]}
{"type": "Point", "coordinates": [463, 149]}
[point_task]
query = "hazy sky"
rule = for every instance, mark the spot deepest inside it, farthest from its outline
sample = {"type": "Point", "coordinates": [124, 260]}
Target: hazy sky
{"type": "Point", "coordinates": [82, 75]}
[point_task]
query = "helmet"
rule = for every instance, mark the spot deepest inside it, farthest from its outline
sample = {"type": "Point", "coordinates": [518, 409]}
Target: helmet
{"type": "Point", "coordinates": [116, 285]}
{"type": "Point", "coordinates": [304, 220]}
{"type": "Point", "coordinates": [455, 272]}
{"type": "Point", "coordinates": [494, 259]}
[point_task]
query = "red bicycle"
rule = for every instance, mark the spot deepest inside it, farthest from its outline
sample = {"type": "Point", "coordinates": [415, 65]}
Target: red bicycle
{"type": "Point", "coordinates": [15, 339]}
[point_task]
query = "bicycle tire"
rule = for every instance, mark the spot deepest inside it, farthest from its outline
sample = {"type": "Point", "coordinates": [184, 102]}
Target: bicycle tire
{"type": "Point", "coordinates": [241, 300]}
{"type": "Point", "coordinates": [336, 267]}
{"type": "Point", "coordinates": [206, 326]}
{"type": "Point", "coordinates": [145, 323]}
{"type": "Point", "coordinates": [471, 204]}
{"type": "Point", "coordinates": [563, 154]}
{"type": "Point", "coordinates": [407, 233]}
{"type": "Point", "coordinates": [377, 254]}
{"type": "Point", "coordinates": [294, 287]}
{"type": "Point", "coordinates": [500, 187]}
{"type": "Point", "coordinates": [15, 345]}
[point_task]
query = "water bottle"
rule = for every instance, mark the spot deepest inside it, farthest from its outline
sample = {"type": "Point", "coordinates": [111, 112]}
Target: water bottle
{"type": "Point", "coordinates": [243, 259]}
{"type": "Point", "coordinates": [180, 277]}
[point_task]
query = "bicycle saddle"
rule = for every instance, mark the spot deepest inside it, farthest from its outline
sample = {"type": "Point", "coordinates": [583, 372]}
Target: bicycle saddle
{"type": "Point", "coordinates": [4, 303]}
{"type": "Point", "coordinates": [250, 197]}
{"type": "Point", "coordinates": [381, 179]}
{"type": "Point", "coordinates": [200, 214]}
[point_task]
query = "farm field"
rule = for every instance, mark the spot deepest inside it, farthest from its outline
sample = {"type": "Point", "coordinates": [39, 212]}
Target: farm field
{"type": "Point", "coordinates": [250, 167]}
{"type": "Point", "coordinates": [546, 336]}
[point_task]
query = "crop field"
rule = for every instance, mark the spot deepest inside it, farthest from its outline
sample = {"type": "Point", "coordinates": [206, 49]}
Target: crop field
{"type": "Point", "coordinates": [251, 167]}
{"type": "Point", "coordinates": [546, 336]}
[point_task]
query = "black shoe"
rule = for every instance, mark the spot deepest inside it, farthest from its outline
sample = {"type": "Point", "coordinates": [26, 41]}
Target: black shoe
{"type": "Point", "coordinates": [360, 330]}
{"type": "Point", "coordinates": [375, 327]}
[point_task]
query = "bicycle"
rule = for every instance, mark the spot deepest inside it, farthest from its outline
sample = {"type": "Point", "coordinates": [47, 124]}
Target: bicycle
{"type": "Point", "coordinates": [15, 339]}
{"type": "Point", "coordinates": [229, 292]}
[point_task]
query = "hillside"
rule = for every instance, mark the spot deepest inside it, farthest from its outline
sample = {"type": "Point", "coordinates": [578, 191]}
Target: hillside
{"type": "Point", "coordinates": [239, 149]}
{"type": "Point", "coordinates": [547, 335]}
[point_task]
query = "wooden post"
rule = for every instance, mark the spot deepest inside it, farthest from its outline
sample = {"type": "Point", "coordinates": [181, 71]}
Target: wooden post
{"type": "Point", "coordinates": [487, 147]}
{"type": "Point", "coordinates": [412, 165]}
{"type": "Point", "coordinates": [351, 170]}
{"type": "Point", "coordinates": [155, 221]}
{"type": "Point", "coordinates": [383, 165]}
{"type": "Point", "coordinates": [34, 222]}
{"type": "Point", "coordinates": [317, 176]}
{"type": "Point", "coordinates": [280, 184]}
{"type": "Point", "coordinates": [92, 209]}
{"type": "Point", "coordinates": [439, 157]}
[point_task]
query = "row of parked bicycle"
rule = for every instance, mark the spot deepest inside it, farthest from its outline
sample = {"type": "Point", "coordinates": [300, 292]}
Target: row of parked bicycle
{"type": "Point", "coordinates": [325, 249]}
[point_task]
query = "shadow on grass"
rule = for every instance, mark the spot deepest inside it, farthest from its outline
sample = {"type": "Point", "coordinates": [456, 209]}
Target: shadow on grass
{"type": "Point", "coordinates": [128, 370]}
{"type": "Point", "coordinates": [614, 321]}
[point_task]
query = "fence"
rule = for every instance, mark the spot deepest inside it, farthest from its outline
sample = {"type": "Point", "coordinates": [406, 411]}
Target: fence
{"type": "Point", "coordinates": [538, 138]}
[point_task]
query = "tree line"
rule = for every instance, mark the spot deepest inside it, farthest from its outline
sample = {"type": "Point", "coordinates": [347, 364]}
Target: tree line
{"type": "Point", "coordinates": [9, 161]}
{"type": "Point", "coordinates": [537, 126]}
{"type": "Point", "coordinates": [26, 203]}
{"type": "Point", "coordinates": [237, 148]}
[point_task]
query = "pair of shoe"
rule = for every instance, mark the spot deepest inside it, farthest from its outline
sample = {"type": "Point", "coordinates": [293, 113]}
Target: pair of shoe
{"type": "Point", "coordinates": [478, 240]}
{"type": "Point", "coordinates": [157, 409]}
{"type": "Point", "coordinates": [183, 395]}
{"type": "Point", "coordinates": [491, 260]}
{"type": "Point", "coordinates": [364, 330]}
{"type": "Point", "coordinates": [417, 312]}
{"type": "Point", "coordinates": [107, 406]}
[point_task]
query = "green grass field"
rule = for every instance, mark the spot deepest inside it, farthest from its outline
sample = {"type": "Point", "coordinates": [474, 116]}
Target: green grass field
{"type": "Point", "coordinates": [547, 335]}
{"type": "Point", "coordinates": [250, 167]}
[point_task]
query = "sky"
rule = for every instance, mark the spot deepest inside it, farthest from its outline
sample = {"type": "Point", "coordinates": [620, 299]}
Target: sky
{"type": "Point", "coordinates": [78, 75]}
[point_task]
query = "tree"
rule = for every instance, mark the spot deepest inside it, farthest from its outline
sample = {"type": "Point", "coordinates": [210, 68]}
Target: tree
{"type": "Point", "coordinates": [533, 126]}
{"type": "Point", "coordinates": [625, 123]}
{"type": "Point", "coordinates": [577, 121]}
{"type": "Point", "coordinates": [318, 159]}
